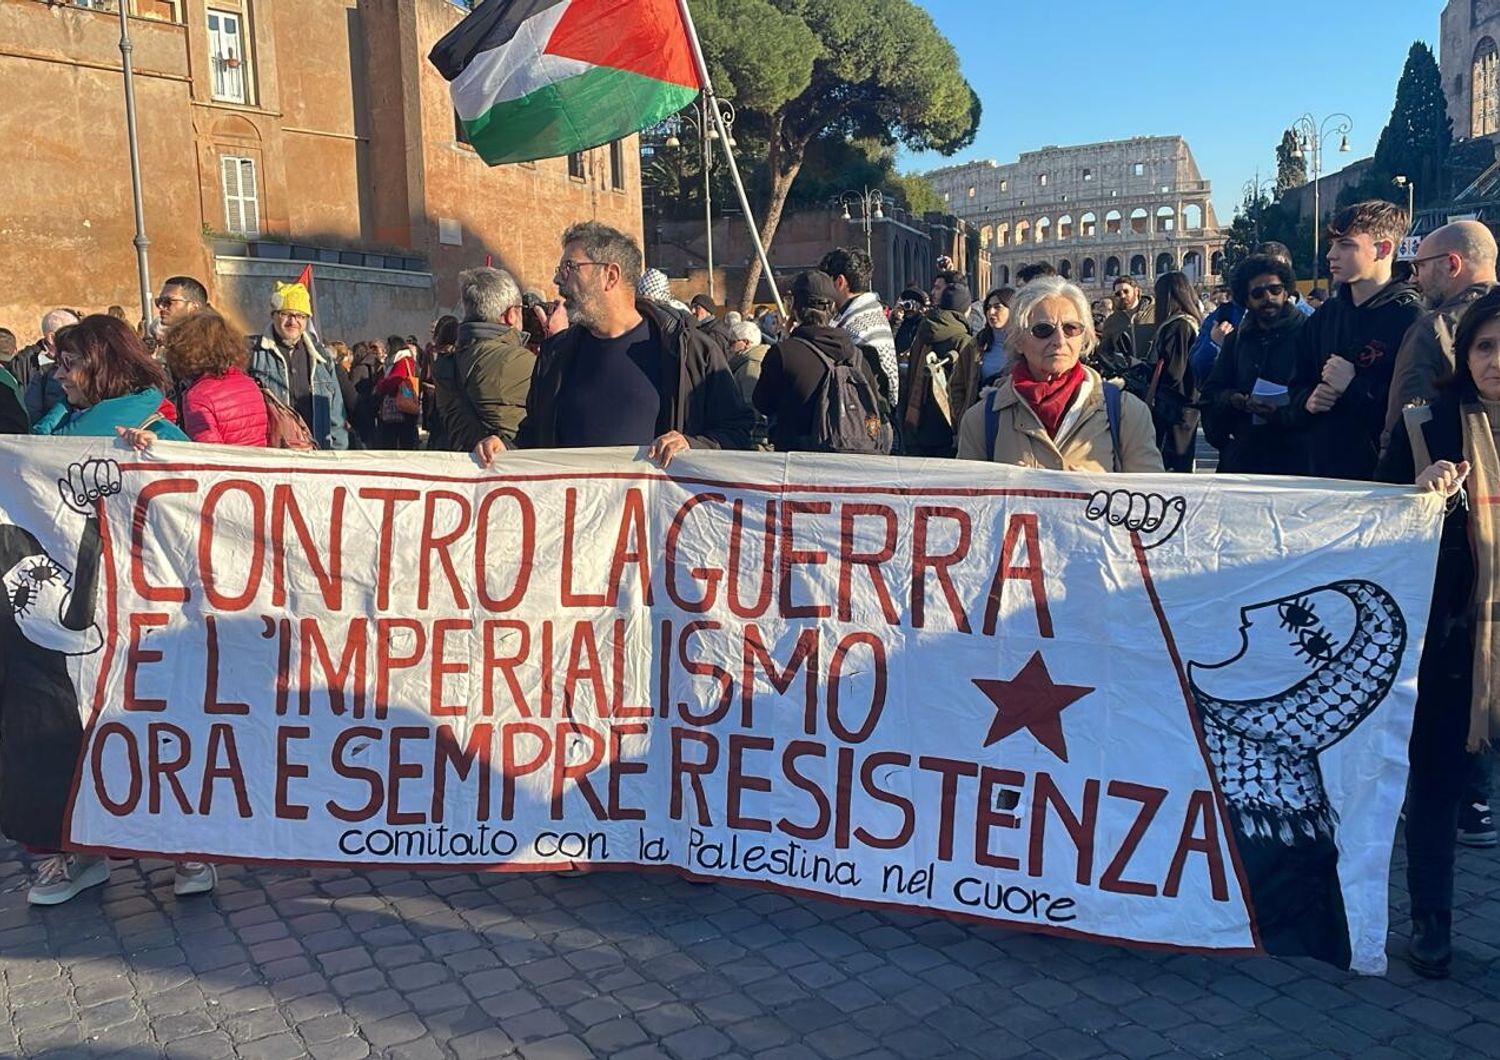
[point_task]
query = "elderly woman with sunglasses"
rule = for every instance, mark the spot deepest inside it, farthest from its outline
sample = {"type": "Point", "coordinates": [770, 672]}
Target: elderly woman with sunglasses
{"type": "Point", "coordinates": [1050, 410]}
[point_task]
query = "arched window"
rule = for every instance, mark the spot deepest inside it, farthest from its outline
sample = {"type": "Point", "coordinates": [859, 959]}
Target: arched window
{"type": "Point", "coordinates": [1164, 263]}
{"type": "Point", "coordinates": [1065, 269]}
{"type": "Point", "coordinates": [1088, 225]}
{"type": "Point", "coordinates": [1111, 268]}
{"type": "Point", "coordinates": [1043, 229]}
{"type": "Point", "coordinates": [1138, 220]}
{"type": "Point", "coordinates": [1002, 275]}
{"type": "Point", "coordinates": [1112, 223]}
{"type": "Point", "coordinates": [1086, 271]}
{"type": "Point", "coordinates": [1484, 90]}
{"type": "Point", "coordinates": [1138, 263]}
{"type": "Point", "coordinates": [1166, 219]}
{"type": "Point", "coordinates": [1065, 226]}
{"type": "Point", "coordinates": [1192, 216]}
{"type": "Point", "coordinates": [1218, 263]}
{"type": "Point", "coordinates": [1002, 234]}
{"type": "Point", "coordinates": [1023, 232]}
{"type": "Point", "coordinates": [1192, 264]}
{"type": "Point", "coordinates": [985, 235]}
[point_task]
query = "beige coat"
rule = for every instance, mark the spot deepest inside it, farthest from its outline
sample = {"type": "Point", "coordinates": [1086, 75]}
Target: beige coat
{"type": "Point", "coordinates": [1083, 442]}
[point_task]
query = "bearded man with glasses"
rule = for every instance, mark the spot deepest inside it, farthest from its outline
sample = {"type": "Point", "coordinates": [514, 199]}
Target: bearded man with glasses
{"type": "Point", "coordinates": [625, 371]}
{"type": "Point", "coordinates": [1454, 267]}
{"type": "Point", "coordinates": [1245, 398]}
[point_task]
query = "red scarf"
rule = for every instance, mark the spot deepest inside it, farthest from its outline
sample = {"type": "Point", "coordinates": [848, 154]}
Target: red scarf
{"type": "Point", "coordinates": [1048, 398]}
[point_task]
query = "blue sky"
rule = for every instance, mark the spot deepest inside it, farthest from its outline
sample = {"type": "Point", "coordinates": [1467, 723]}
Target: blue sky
{"type": "Point", "coordinates": [1227, 75]}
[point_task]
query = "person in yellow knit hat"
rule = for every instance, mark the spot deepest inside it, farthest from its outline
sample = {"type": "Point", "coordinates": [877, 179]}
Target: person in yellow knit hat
{"type": "Point", "coordinates": [291, 364]}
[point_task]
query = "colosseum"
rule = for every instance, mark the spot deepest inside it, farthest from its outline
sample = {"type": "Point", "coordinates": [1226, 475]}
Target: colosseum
{"type": "Point", "coordinates": [1136, 207]}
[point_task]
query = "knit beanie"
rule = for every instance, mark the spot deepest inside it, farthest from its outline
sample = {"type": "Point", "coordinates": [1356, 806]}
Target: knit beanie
{"type": "Point", "coordinates": [291, 298]}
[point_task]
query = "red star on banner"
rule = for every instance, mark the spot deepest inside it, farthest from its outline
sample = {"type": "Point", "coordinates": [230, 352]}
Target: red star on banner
{"type": "Point", "coordinates": [1033, 701]}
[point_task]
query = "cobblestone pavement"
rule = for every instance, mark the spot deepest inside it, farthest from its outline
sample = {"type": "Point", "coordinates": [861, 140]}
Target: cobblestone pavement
{"type": "Point", "coordinates": [283, 963]}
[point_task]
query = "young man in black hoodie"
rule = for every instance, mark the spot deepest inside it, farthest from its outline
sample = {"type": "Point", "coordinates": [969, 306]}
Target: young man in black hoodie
{"type": "Point", "coordinates": [792, 373]}
{"type": "Point", "coordinates": [1347, 351]}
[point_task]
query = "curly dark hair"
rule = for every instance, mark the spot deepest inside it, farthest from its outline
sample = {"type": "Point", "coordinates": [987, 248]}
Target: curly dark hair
{"type": "Point", "coordinates": [1260, 265]}
{"type": "Point", "coordinates": [203, 343]}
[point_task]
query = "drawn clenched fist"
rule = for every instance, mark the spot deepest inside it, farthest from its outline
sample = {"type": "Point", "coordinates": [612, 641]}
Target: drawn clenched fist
{"type": "Point", "coordinates": [87, 482]}
{"type": "Point", "coordinates": [1153, 516]}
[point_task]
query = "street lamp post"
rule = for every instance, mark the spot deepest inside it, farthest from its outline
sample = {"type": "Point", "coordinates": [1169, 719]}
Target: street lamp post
{"type": "Point", "coordinates": [871, 201]}
{"type": "Point", "coordinates": [1253, 192]}
{"type": "Point", "coordinates": [1402, 181]}
{"type": "Point", "coordinates": [702, 122]}
{"type": "Point", "coordinates": [143, 268]}
{"type": "Point", "coordinates": [1312, 133]}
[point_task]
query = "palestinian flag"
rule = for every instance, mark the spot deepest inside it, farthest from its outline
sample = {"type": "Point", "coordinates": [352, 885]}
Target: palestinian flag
{"type": "Point", "coordinates": [541, 78]}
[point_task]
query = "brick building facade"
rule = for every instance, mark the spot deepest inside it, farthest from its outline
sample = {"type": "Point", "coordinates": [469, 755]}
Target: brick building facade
{"type": "Point", "coordinates": [272, 133]}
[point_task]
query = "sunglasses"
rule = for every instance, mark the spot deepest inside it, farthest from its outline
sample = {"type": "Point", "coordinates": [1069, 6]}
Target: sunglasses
{"type": "Point", "coordinates": [1273, 289]}
{"type": "Point", "coordinates": [1046, 329]}
{"type": "Point", "coordinates": [164, 301]}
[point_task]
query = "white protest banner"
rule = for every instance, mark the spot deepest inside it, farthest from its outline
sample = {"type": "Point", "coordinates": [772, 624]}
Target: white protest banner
{"type": "Point", "coordinates": [940, 685]}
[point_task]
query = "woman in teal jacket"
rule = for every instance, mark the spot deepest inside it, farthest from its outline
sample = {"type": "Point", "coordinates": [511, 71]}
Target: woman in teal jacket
{"type": "Point", "coordinates": [111, 384]}
{"type": "Point", "coordinates": [113, 387]}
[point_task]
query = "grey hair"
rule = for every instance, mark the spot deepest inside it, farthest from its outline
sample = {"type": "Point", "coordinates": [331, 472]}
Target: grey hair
{"type": "Point", "coordinates": [57, 320]}
{"type": "Point", "coordinates": [487, 293]}
{"type": "Point", "coordinates": [605, 244]}
{"type": "Point", "coordinates": [746, 331]}
{"type": "Point", "coordinates": [1030, 296]}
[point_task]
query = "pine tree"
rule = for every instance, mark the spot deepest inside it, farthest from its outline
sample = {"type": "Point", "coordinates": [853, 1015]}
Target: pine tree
{"type": "Point", "coordinates": [1291, 167]}
{"type": "Point", "coordinates": [1417, 140]}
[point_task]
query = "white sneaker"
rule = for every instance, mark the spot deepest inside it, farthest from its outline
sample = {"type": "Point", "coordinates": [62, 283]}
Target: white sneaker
{"type": "Point", "coordinates": [193, 877]}
{"type": "Point", "coordinates": [62, 876]}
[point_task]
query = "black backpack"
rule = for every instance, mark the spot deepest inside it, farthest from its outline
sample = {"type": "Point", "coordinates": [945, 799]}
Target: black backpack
{"type": "Point", "coordinates": [846, 411]}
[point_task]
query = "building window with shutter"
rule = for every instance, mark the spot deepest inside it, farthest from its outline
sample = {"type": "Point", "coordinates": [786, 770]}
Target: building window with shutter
{"type": "Point", "coordinates": [617, 166]}
{"type": "Point", "coordinates": [575, 165]}
{"type": "Point", "coordinates": [241, 199]}
{"type": "Point", "coordinates": [228, 57]}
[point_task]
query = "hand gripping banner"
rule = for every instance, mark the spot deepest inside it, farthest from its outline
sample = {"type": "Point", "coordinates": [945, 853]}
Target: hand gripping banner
{"type": "Point", "coordinates": [1162, 710]}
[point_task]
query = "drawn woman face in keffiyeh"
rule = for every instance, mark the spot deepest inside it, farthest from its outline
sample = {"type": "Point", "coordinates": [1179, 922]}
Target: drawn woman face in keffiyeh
{"type": "Point", "coordinates": [1311, 666]}
{"type": "Point", "coordinates": [37, 593]}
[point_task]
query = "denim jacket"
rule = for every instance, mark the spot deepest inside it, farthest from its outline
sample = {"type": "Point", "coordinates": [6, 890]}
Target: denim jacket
{"type": "Point", "coordinates": [268, 366]}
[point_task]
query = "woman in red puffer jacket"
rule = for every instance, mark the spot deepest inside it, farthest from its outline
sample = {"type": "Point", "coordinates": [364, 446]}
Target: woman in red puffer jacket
{"type": "Point", "coordinates": [220, 402]}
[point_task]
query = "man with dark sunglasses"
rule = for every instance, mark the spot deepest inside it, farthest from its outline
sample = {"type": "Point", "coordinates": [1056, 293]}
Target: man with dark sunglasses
{"type": "Point", "coordinates": [180, 295]}
{"type": "Point", "coordinates": [1454, 267]}
{"type": "Point", "coordinates": [1243, 415]}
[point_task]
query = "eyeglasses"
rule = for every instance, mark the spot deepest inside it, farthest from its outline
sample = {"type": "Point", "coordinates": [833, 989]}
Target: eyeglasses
{"type": "Point", "coordinates": [568, 268]}
{"type": "Point", "coordinates": [1431, 257]}
{"type": "Point", "coordinates": [1046, 329]}
{"type": "Point", "coordinates": [163, 302]}
{"type": "Point", "coordinates": [288, 315]}
{"type": "Point", "coordinates": [1275, 290]}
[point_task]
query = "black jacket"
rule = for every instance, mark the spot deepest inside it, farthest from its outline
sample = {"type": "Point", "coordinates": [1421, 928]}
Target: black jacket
{"type": "Point", "coordinates": [1255, 350]}
{"type": "Point", "coordinates": [1344, 442]}
{"type": "Point", "coordinates": [718, 329]}
{"type": "Point", "coordinates": [1450, 616]}
{"type": "Point", "coordinates": [699, 396]}
{"type": "Point", "coordinates": [790, 377]}
{"type": "Point", "coordinates": [364, 373]}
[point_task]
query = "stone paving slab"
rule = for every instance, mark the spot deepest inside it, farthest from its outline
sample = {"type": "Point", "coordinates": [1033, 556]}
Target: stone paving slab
{"type": "Point", "coordinates": [280, 964]}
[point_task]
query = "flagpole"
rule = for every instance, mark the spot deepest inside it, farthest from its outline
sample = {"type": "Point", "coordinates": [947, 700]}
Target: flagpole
{"type": "Point", "coordinates": [734, 169]}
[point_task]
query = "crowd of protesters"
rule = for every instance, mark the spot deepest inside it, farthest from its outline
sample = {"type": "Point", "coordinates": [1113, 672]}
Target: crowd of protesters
{"type": "Point", "coordinates": [1365, 383]}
